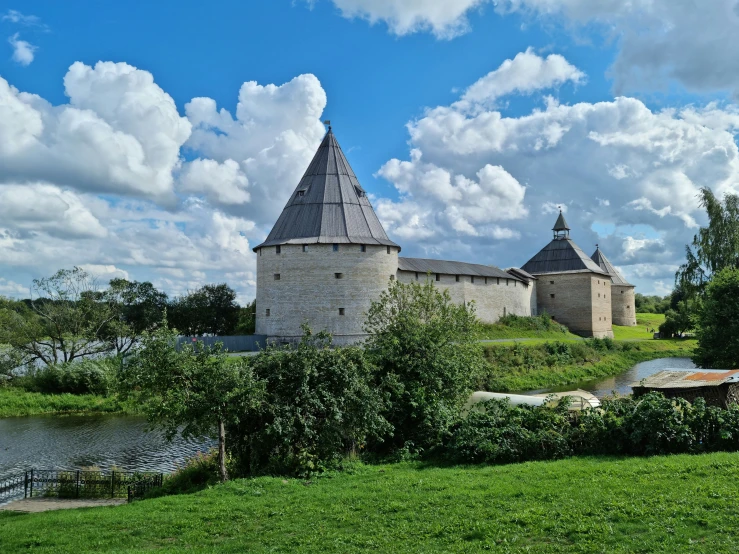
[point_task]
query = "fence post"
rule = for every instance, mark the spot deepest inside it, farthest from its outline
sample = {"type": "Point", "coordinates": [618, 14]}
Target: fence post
{"type": "Point", "coordinates": [130, 493]}
{"type": "Point", "coordinates": [78, 483]}
{"type": "Point", "coordinates": [112, 484]}
{"type": "Point", "coordinates": [25, 485]}
{"type": "Point", "coordinates": [31, 495]}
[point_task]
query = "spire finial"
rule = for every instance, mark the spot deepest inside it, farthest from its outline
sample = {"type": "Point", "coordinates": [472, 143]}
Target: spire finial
{"type": "Point", "coordinates": [327, 122]}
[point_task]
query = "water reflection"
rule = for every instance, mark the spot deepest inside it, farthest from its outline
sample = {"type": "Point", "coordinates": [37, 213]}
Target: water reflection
{"type": "Point", "coordinates": [621, 383]}
{"type": "Point", "coordinates": [69, 442]}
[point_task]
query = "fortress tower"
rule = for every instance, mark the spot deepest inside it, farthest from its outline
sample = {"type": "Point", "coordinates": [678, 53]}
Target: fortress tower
{"type": "Point", "coordinates": [623, 301]}
{"type": "Point", "coordinates": [326, 258]}
{"type": "Point", "coordinates": [571, 287]}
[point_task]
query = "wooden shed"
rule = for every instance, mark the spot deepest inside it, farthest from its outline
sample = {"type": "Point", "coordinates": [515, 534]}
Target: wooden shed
{"type": "Point", "coordinates": [719, 388]}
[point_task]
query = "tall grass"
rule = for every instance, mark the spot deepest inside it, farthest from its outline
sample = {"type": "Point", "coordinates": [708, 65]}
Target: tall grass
{"type": "Point", "coordinates": [527, 367]}
{"type": "Point", "coordinates": [18, 402]}
{"type": "Point", "coordinates": [517, 327]}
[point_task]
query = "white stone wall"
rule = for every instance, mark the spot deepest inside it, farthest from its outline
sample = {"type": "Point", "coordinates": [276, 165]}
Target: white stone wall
{"type": "Point", "coordinates": [623, 305]}
{"type": "Point", "coordinates": [308, 290]}
{"type": "Point", "coordinates": [493, 297]}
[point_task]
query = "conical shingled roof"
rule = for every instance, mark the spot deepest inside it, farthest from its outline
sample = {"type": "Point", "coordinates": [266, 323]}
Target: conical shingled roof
{"type": "Point", "coordinates": [328, 205]}
{"type": "Point", "coordinates": [605, 264]}
{"type": "Point", "coordinates": [560, 224]}
{"type": "Point", "coordinates": [561, 255]}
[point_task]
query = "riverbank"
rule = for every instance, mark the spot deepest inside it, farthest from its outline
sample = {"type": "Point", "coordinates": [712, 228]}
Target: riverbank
{"type": "Point", "coordinates": [574, 505]}
{"type": "Point", "coordinates": [524, 366]}
{"type": "Point", "coordinates": [18, 402]}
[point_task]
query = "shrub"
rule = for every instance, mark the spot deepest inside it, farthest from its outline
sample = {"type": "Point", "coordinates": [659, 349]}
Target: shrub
{"type": "Point", "coordinates": [426, 353]}
{"type": "Point", "coordinates": [199, 472]}
{"type": "Point", "coordinates": [86, 376]}
{"type": "Point", "coordinates": [318, 406]}
{"type": "Point", "coordinates": [503, 433]}
{"type": "Point", "coordinates": [541, 322]}
{"type": "Point", "coordinates": [644, 426]}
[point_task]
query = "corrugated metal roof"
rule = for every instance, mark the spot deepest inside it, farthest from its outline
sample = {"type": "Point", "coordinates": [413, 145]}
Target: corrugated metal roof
{"type": "Point", "coordinates": [422, 265]}
{"type": "Point", "coordinates": [604, 263]}
{"type": "Point", "coordinates": [561, 255]}
{"type": "Point", "coordinates": [670, 379]}
{"type": "Point", "coordinates": [328, 205]}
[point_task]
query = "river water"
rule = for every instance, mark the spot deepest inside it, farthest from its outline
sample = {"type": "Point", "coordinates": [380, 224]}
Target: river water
{"type": "Point", "coordinates": [621, 383]}
{"type": "Point", "coordinates": [105, 441]}
{"type": "Point", "coordinates": [123, 442]}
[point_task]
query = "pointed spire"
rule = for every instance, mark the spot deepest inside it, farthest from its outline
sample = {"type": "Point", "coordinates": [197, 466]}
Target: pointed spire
{"type": "Point", "coordinates": [561, 229]}
{"type": "Point", "coordinates": [605, 264]}
{"type": "Point", "coordinates": [328, 205]}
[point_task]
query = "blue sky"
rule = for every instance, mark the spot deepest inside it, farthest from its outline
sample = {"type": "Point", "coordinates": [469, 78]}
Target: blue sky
{"type": "Point", "coordinates": [620, 114]}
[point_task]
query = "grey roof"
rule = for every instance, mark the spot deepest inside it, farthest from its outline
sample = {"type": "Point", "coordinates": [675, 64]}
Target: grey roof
{"type": "Point", "coordinates": [520, 273]}
{"type": "Point", "coordinates": [328, 205]}
{"type": "Point", "coordinates": [670, 379]}
{"type": "Point", "coordinates": [561, 255]}
{"type": "Point", "coordinates": [560, 224]}
{"type": "Point", "coordinates": [422, 265]}
{"type": "Point", "coordinates": [605, 264]}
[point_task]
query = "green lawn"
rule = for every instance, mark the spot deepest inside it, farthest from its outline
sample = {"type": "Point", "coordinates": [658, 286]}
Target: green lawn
{"type": "Point", "coordinates": [660, 504]}
{"type": "Point", "coordinates": [643, 322]}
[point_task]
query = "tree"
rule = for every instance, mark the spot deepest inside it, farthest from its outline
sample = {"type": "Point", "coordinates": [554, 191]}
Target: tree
{"type": "Point", "coordinates": [193, 390]}
{"type": "Point", "coordinates": [718, 322]}
{"type": "Point", "coordinates": [247, 319]}
{"type": "Point", "coordinates": [714, 247]}
{"type": "Point", "coordinates": [66, 320]}
{"type": "Point", "coordinates": [137, 307]}
{"type": "Point", "coordinates": [319, 404]}
{"type": "Point", "coordinates": [426, 351]}
{"type": "Point", "coordinates": [210, 310]}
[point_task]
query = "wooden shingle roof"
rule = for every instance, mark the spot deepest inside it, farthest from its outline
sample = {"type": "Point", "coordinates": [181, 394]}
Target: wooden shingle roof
{"type": "Point", "coordinates": [328, 205]}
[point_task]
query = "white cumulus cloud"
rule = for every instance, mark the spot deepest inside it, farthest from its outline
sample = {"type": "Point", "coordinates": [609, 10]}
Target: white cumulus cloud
{"type": "Point", "coordinates": [23, 51]}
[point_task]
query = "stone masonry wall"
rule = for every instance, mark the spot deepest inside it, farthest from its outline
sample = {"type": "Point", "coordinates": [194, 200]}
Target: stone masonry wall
{"type": "Point", "coordinates": [493, 297]}
{"type": "Point", "coordinates": [581, 301]}
{"type": "Point", "coordinates": [308, 289]}
{"type": "Point", "coordinates": [624, 305]}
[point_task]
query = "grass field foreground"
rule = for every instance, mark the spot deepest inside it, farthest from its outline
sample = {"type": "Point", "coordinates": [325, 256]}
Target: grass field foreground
{"type": "Point", "coordinates": [660, 504]}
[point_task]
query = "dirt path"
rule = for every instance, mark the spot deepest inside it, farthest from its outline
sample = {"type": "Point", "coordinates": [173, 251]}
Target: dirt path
{"type": "Point", "coordinates": [33, 505]}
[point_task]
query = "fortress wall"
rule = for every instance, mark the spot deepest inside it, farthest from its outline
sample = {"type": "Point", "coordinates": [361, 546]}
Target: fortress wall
{"type": "Point", "coordinates": [492, 299]}
{"type": "Point", "coordinates": [581, 301]}
{"type": "Point", "coordinates": [308, 290]}
{"type": "Point", "coordinates": [623, 305]}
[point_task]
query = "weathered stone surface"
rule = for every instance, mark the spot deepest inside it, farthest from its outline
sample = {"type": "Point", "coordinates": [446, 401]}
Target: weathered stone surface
{"type": "Point", "coordinates": [624, 305]}
{"type": "Point", "coordinates": [309, 291]}
{"type": "Point", "coordinates": [581, 301]}
{"type": "Point", "coordinates": [493, 297]}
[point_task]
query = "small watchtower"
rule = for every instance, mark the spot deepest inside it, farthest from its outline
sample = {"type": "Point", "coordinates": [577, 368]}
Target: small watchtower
{"type": "Point", "coordinates": [571, 287]}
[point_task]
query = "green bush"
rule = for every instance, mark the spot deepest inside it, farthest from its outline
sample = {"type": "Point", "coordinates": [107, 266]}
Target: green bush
{"type": "Point", "coordinates": [503, 433]}
{"type": "Point", "coordinates": [426, 353]}
{"type": "Point", "coordinates": [541, 322]}
{"type": "Point", "coordinates": [318, 407]}
{"type": "Point", "coordinates": [644, 426]}
{"type": "Point", "coordinates": [82, 377]}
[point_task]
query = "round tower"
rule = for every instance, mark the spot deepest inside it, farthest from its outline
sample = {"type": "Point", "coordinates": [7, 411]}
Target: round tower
{"type": "Point", "coordinates": [623, 299]}
{"type": "Point", "coordinates": [326, 258]}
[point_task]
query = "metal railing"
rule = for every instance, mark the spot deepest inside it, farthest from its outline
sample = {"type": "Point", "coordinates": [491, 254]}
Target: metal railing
{"type": "Point", "coordinates": [79, 483]}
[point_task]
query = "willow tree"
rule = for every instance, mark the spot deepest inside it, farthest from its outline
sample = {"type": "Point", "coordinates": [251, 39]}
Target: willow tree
{"type": "Point", "coordinates": [715, 247]}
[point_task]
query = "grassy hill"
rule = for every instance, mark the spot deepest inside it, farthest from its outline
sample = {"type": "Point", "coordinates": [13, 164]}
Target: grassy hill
{"type": "Point", "coordinates": [659, 504]}
{"type": "Point", "coordinates": [643, 330]}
